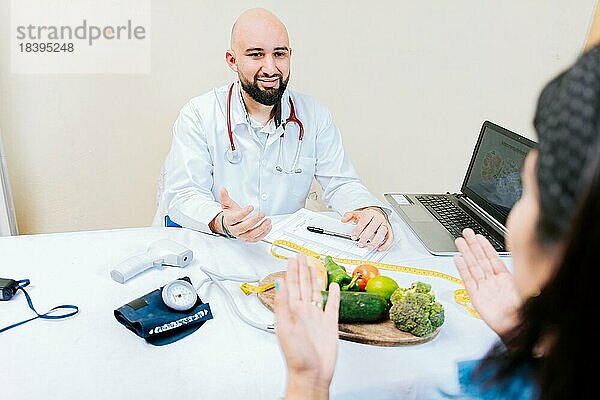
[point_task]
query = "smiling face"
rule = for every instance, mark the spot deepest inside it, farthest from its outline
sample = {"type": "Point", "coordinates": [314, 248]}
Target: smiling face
{"type": "Point", "coordinates": [533, 262]}
{"type": "Point", "coordinates": [260, 54]}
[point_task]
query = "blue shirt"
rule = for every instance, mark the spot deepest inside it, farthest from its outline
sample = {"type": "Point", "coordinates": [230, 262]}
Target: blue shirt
{"type": "Point", "coordinates": [520, 386]}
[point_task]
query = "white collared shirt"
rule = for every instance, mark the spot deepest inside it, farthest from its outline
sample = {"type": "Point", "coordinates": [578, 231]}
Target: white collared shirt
{"type": "Point", "coordinates": [196, 167]}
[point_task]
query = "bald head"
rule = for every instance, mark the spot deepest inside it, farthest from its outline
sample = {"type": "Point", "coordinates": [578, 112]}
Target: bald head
{"type": "Point", "coordinates": [255, 27]}
{"type": "Point", "coordinates": [260, 54]}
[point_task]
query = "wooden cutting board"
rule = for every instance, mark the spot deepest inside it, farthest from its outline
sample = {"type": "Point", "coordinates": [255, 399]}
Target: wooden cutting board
{"type": "Point", "coordinates": [383, 333]}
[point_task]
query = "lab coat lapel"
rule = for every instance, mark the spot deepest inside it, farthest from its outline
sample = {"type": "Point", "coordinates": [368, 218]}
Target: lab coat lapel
{"type": "Point", "coordinates": [238, 111]}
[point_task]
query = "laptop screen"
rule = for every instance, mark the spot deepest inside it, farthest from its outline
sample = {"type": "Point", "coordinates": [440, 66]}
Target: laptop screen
{"type": "Point", "coordinates": [493, 180]}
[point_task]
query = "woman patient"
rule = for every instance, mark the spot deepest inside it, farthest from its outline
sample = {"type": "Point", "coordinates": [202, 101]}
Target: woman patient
{"type": "Point", "coordinates": [544, 310]}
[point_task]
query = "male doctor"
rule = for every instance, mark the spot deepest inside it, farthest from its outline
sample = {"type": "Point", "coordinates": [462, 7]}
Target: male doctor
{"type": "Point", "coordinates": [251, 148]}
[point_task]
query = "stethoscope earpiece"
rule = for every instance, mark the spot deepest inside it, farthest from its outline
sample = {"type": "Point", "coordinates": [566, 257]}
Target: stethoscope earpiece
{"type": "Point", "coordinates": [281, 170]}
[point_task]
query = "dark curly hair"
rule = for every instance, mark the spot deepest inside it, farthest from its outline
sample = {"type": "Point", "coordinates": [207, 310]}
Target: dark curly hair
{"type": "Point", "coordinates": [567, 123]}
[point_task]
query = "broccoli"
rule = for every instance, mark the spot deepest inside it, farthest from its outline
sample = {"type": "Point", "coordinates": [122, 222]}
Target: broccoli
{"type": "Point", "coordinates": [397, 295]}
{"type": "Point", "coordinates": [436, 315]}
{"type": "Point", "coordinates": [421, 287]}
{"type": "Point", "coordinates": [415, 310]}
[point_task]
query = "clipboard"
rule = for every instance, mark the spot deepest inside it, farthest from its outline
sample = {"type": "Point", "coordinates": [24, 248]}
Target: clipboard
{"type": "Point", "coordinates": [293, 229]}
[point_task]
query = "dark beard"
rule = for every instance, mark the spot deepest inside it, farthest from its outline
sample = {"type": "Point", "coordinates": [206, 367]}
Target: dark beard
{"type": "Point", "coordinates": [266, 97]}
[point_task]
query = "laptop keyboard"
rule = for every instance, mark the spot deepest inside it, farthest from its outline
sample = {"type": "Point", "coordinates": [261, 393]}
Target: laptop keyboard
{"type": "Point", "coordinates": [454, 219]}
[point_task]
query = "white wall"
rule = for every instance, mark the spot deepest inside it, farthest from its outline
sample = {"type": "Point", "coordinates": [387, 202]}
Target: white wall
{"type": "Point", "coordinates": [408, 82]}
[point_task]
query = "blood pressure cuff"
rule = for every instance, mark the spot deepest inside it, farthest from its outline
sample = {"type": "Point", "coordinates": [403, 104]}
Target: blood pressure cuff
{"type": "Point", "coordinates": [150, 318]}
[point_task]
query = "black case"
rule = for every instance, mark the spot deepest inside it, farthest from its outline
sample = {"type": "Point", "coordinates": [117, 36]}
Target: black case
{"type": "Point", "coordinates": [8, 288]}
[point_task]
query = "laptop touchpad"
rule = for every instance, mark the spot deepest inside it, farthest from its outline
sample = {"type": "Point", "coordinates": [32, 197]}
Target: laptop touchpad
{"type": "Point", "coordinates": [417, 214]}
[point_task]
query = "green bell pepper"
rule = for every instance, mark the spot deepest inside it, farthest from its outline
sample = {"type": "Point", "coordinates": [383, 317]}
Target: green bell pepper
{"type": "Point", "coordinates": [336, 273]}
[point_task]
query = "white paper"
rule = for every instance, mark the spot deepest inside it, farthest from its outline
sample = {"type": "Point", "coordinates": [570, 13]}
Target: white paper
{"type": "Point", "coordinates": [293, 229]}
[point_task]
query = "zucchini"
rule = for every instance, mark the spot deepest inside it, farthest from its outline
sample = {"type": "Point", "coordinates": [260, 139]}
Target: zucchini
{"type": "Point", "coordinates": [360, 306]}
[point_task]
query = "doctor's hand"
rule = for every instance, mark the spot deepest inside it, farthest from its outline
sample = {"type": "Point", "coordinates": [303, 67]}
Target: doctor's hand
{"type": "Point", "coordinates": [238, 222]}
{"type": "Point", "coordinates": [308, 336]}
{"type": "Point", "coordinates": [488, 282]}
{"type": "Point", "coordinates": [371, 225]}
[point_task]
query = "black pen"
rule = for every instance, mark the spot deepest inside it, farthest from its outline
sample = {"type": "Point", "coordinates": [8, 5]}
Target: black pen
{"type": "Point", "coordinates": [315, 229]}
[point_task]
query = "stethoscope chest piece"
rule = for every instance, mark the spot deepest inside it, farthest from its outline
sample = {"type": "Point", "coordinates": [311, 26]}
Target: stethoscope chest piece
{"type": "Point", "coordinates": [233, 156]}
{"type": "Point", "coordinates": [179, 295]}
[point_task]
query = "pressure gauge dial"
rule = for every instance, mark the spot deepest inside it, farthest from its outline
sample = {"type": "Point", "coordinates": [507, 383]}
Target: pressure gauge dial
{"type": "Point", "coordinates": [179, 295]}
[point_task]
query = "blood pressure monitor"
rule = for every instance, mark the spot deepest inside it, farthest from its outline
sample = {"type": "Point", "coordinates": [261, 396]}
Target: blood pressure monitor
{"type": "Point", "coordinates": [179, 295]}
{"type": "Point", "coordinates": [167, 314]}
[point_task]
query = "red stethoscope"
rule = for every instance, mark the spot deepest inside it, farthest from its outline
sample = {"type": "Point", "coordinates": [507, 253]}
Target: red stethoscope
{"type": "Point", "coordinates": [234, 156]}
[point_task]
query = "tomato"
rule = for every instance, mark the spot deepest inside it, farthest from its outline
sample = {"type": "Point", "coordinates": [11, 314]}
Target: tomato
{"type": "Point", "coordinates": [366, 272]}
{"type": "Point", "coordinates": [362, 283]}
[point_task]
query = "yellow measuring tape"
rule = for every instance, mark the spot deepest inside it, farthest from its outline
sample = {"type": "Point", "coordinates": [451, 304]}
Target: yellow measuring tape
{"type": "Point", "coordinates": [460, 295]}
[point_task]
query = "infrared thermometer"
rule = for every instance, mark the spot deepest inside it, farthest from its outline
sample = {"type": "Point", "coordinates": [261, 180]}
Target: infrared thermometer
{"type": "Point", "coordinates": [162, 252]}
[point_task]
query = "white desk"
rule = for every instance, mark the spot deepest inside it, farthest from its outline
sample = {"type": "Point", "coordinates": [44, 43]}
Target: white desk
{"type": "Point", "coordinates": [91, 356]}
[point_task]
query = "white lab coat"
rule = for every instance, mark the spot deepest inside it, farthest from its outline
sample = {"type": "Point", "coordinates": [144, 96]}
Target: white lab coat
{"type": "Point", "coordinates": [196, 166]}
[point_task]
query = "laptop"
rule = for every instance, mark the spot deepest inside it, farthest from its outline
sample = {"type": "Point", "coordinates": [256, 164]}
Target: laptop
{"type": "Point", "coordinates": [491, 186]}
